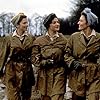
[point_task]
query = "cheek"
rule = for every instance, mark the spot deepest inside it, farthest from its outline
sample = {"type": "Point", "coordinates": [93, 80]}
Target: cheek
{"type": "Point", "coordinates": [24, 26]}
{"type": "Point", "coordinates": [82, 24]}
{"type": "Point", "coordinates": [52, 27]}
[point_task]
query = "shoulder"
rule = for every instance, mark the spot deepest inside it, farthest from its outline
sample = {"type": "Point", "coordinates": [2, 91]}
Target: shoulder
{"type": "Point", "coordinates": [75, 35]}
{"type": "Point", "coordinates": [63, 36]}
{"type": "Point", "coordinates": [8, 37]}
{"type": "Point", "coordinates": [39, 39]}
{"type": "Point", "coordinates": [97, 34]}
{"type": "Point", "coordinates": [31, 37]}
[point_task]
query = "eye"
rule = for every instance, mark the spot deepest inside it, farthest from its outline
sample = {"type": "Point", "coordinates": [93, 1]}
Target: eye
{"type": "Point", "coordinates": [54, 22]}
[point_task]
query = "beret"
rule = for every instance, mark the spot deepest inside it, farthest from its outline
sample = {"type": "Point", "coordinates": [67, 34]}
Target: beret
{"type": "Point", "coordinates": [48, 20]}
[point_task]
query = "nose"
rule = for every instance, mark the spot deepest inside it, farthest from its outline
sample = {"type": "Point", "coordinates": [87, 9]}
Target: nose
{"type": "Point", "coordinates": [78, 22]}
{"type": "Point", "coordinates": [26, 24]}
{"type": "Point", "coordinates": [57, 24]}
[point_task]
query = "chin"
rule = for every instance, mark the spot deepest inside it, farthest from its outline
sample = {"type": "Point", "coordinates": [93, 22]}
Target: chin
{"type": "Point", "coordinates": [25, 30]}
{"type": "Point", "coordinates": [57, 29]}
{"type": "Point", "coordinates": [79, 29]}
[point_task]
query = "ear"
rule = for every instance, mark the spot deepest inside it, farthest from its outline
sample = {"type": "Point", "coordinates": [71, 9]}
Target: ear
{"type": "Point", "coordinates": [88, 24]}
{"type": "Point", "coordinates": [17, 26]}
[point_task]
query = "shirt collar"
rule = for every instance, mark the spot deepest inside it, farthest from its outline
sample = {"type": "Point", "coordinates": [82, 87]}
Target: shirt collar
{"type": "Point", "coordinates": [15, 34]}
{"type": "Point", "coordinates": [53, 37]}
{"type": "Point", "coordinates": [93, 33]}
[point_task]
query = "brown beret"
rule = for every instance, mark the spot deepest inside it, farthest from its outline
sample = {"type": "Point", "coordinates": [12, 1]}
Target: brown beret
{"type": "Point", "coordinates": [48, 20]}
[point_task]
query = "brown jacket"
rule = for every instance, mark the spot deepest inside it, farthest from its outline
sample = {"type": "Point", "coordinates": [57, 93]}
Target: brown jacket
{"type": "Point", "coordinates": [77, 49]}
{"type": "Point", "coordinates": [51, 79]}
{"type": "Point", "coordinates": [2, 51]}
{"type": "Point", "coordinates": [19, 75]}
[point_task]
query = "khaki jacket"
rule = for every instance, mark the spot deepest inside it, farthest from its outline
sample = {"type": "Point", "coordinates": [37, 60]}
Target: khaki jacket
{"type": "Point", "coordinates": [51, 79]}
{"type": "Point", "coordinates": [2, 51]}
{"type": "Point", "coordinates": [77, 49]}
{"type": "Point", "coordinates": [9, 43]}
{"type": "Point", "coordinates": [12, 67]}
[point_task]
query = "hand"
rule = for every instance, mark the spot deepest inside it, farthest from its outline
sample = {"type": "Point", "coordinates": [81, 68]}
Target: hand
{"type": "Point", "coordinates": [76, 65]}
{"type": "Point", "coordinates": [50, 61]}
{"type": "Point", "coordinates": [47, 62]}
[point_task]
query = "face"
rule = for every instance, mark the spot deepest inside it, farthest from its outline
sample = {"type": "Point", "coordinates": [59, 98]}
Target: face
{"type": "Point", "coordinates": [23, 25]}
{"type": "Point", "coordinates": [82, 23]}
{"type": "Point", "coordinates": [55, 25]}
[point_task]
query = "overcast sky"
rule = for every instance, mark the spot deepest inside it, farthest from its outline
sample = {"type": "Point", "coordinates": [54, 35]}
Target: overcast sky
{"type": "Point", "coordinates": [42, 7]}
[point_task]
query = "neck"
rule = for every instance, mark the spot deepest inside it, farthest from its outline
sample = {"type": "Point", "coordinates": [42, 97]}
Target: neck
{"type": "Point", "coordinates": [19, 32]}
{"type": "Point", "coordinates": [52, 33]}
{"type": "Point", "coordinates": [87, 31]}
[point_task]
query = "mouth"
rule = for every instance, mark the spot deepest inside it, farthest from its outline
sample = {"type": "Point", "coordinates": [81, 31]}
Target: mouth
{"type": "Point", "coordinates": [79, 26]}
{"type": "Point", "coordinates": [57, 27]}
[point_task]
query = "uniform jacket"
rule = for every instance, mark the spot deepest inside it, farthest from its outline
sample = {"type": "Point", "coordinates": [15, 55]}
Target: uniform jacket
{"type": "Point", "coordinates": [15, 70]}
{"type": "Point", "coordinates": [51, 79]}
{"type": "Point", "coordinates": [77, 49]}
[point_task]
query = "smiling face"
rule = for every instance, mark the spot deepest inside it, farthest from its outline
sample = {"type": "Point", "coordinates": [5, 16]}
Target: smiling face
{"type": "Point", "coordinates": [22, 26]}
{"type": "Point", "coordinates": [82, 23]}
{"type": "Point", "coordinates": [55, 25]}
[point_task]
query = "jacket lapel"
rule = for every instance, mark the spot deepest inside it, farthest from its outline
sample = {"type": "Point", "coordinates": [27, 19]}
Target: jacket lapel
{"type": "Point", "coordinates": [82, 40]}
{"type": "Point", "coordinates": [26, 41]}
{"type": "Point", "coordinates": [16, 42]}
{"type": "Point", "coordinates": [92, 40]}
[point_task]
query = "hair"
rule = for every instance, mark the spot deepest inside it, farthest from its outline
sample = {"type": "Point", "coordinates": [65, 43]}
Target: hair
{"type": "Point", "coordinates": [48, 20]}
{"type": "Point", "coordinates": [20, 19]}
{"type": "Point", "coordinates": [85, 17]}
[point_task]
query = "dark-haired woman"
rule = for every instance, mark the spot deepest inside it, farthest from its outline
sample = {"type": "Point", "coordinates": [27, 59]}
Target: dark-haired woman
{"type": "Point", "coordinates": [50, 60]}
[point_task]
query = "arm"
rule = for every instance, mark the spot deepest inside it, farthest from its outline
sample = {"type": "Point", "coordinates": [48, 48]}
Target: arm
{"type": "Point", "coordinates": [35, 56]}
{"type": "Point", "coordinates": [3, 54]}
{"type": "Point", "coordinates": [69, 59]}
{"type": "Point", "coordinates": [38, 59]}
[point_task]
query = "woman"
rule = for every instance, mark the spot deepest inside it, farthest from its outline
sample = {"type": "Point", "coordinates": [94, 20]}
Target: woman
{"type": "Point", "coordinates": [50, 60]}
{"type": "Point", "coordinates": [82, 56]}
{"type": "Point", "coordinates": [19, 76]}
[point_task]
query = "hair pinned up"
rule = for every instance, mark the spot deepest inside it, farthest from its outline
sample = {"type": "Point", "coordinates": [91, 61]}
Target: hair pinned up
{"type": "Point", "coordinates": [48, 20]}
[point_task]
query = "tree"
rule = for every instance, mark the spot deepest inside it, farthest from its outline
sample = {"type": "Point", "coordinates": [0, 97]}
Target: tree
{"type": "Point", "coordinates": [6, 26]}
{"type": "Point", "coordinates": [37, 27]}
{"type": "Point", "coordinates": [79, 6]}
{"type": "Point", "coordinates": [64, 26]}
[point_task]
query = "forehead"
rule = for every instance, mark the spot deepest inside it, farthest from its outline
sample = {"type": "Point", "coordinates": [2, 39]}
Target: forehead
{"type": "Point", "coordinates": [82, 17]}
{"type": "Point", "coordinates": [55, 19]}
{"type": "Point", "coordinates": [24, 20]}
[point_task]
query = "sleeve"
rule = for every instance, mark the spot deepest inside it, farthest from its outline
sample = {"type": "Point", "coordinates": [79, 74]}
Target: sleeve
{"type": "Point", "coordinates": [3, 52]}
{"type": "Point", "coordinates": [68, 57]}
{"type": "Point", "coordinates": [35, 56]}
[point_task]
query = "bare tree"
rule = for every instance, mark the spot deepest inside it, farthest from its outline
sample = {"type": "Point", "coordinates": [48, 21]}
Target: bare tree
{"type": "Point", "coordinates": [5, 20]}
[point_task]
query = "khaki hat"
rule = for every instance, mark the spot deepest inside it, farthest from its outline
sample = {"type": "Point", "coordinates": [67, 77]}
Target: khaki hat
{"type": "Point", "coordinates": [16, 18]}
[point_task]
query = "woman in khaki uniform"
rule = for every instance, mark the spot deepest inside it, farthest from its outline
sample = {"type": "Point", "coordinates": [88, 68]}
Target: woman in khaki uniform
{"type": "Point", "coordinates": [83, 55]}
{"type": "Point", "coordinates": [19, 76]}
{"type": "Point", "coordinates": [50, 60]}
